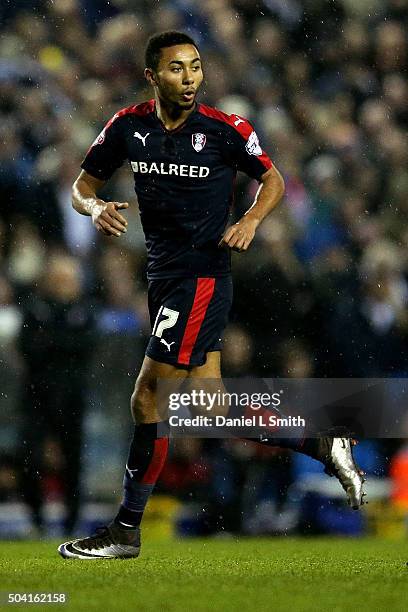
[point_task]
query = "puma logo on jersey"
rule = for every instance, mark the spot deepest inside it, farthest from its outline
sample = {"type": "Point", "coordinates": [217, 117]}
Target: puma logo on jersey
{"type": "Point", "coordinates": [238, 121]}
{"type": "Point", "coordinates": [168, 344]}
{"type": "Point", "coordinates": [142, 138]}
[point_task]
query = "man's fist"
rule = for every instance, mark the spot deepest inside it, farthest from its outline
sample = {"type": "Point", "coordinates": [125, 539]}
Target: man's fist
{"type": "Point", "coordinates": [239, 236]}
{"type": "Point", "coordinates": [107, 219]}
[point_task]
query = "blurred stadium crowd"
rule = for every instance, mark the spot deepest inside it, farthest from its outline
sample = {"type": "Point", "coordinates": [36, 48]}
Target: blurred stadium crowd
{"type": "Point", "coordinates": [322, 292]}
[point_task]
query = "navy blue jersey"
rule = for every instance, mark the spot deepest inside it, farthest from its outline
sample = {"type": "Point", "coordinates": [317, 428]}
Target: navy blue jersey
{"type": "Point", "coordinates": [184, 181]}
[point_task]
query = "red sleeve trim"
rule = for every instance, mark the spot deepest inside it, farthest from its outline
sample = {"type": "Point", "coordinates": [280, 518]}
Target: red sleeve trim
{"type": "Point", "coordinates": [240, 125]}
{"type": "Point", "coordinates": [214, 113]}
{"type": "Point", "coordinates": [145, 108]}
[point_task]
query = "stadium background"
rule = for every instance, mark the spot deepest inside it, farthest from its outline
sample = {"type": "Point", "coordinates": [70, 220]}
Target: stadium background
{"type": "Point", "coordinates": [322, 292]}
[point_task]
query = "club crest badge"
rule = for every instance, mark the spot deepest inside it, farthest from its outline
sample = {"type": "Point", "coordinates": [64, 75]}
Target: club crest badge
{"type": "Point", "coordinates": [198, 141]}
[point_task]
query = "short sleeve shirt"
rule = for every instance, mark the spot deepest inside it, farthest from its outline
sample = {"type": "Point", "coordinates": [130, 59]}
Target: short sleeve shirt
{"type": "Point", "coordinates": [184, 181]}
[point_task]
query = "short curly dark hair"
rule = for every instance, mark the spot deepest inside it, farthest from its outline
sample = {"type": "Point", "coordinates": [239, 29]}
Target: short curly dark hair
{"type": "Point", "coordinates": [157, 42]}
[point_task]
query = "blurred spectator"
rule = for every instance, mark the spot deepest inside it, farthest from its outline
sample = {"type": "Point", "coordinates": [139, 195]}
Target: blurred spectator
{"type": "Point", "coordinates": [56, 341]}
{"type": "Point", "coordinates": [237, 354]}
{"type": "Point", "coordinates": [9, 478]}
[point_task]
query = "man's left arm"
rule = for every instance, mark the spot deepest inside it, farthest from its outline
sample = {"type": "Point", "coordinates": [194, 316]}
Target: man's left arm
{"type": "Point", "coordinates": [240, 235]}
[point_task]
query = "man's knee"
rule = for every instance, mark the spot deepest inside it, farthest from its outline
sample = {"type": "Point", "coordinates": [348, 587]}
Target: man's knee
{"type": "Point", "coordinates": [145, 405]}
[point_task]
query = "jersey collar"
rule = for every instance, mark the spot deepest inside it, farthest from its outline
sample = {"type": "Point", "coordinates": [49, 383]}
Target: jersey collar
{"type": "Point", "coordinates": [178, 128]}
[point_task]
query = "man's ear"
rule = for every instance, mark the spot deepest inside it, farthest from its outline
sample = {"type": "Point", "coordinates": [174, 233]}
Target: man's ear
{"type": "Point", "coordinates": [150, 76]}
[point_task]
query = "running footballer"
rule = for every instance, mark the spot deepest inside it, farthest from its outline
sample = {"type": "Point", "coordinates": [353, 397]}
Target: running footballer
{"type": "Point", "coordinates": [184, 157]}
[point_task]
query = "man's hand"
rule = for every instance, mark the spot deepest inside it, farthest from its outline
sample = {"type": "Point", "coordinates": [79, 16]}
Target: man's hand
{"type": "Point", "coordinates": [239, 236]}
{"type": "Point", "coordinates": [107, 219]}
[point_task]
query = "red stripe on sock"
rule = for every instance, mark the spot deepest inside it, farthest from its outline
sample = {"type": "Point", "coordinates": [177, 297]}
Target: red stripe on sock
{"type": "Point", "coordinates": [203, 295]}
{"type": "Point", "coordinates": [158, 459]}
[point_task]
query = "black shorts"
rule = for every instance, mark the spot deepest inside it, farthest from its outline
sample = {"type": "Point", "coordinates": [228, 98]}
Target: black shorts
{"type": "Point", "coordinates": [188, 317]}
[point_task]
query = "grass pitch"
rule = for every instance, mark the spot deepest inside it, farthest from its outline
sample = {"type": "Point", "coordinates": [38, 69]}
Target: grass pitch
{"type": "Point", "coordinates": [276, 574]}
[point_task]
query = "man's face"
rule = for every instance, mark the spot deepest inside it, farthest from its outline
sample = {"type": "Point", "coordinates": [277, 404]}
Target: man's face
{"type": "Point", "coordinates": [178, 75]}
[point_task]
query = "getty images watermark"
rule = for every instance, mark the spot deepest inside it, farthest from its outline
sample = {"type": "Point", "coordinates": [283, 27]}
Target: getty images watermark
{"type": "Point", "coordinates": [282, 407]}
{"type": "Point", "coordinates": [255, 408]}
{"type": "Point", "coordinates": [223, 408]}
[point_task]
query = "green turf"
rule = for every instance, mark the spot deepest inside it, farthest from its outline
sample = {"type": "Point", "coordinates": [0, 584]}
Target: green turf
{"type": "Point", "coordinates": [277, 574]}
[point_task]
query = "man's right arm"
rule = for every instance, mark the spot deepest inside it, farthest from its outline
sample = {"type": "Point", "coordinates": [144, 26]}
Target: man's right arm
{"type": "Point", "coordinates": [105, 215]}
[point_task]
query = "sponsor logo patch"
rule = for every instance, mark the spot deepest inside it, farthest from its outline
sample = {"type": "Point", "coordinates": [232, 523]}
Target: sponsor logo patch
{"type": "Point", "coordinates": [144, 167]}
{"type": "Point", "coordinates": [252, 146]}
{"type": "Point", "coordinates": [99, 139]}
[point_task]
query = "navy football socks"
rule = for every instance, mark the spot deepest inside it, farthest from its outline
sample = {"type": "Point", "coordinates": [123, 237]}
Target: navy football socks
{"type": "Point", "coordinates": [147, 456]}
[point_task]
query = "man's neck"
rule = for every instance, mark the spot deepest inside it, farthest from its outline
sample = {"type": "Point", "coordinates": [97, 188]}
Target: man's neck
{"type": "Point", "coordinates": [171, 116]}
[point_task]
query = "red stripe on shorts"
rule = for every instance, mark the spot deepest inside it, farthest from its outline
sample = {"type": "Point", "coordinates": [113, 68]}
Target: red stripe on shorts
{"type": "Point", "coordinates": [152, 473]}
{"type": "Point", "coordinates": [203, 295]}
